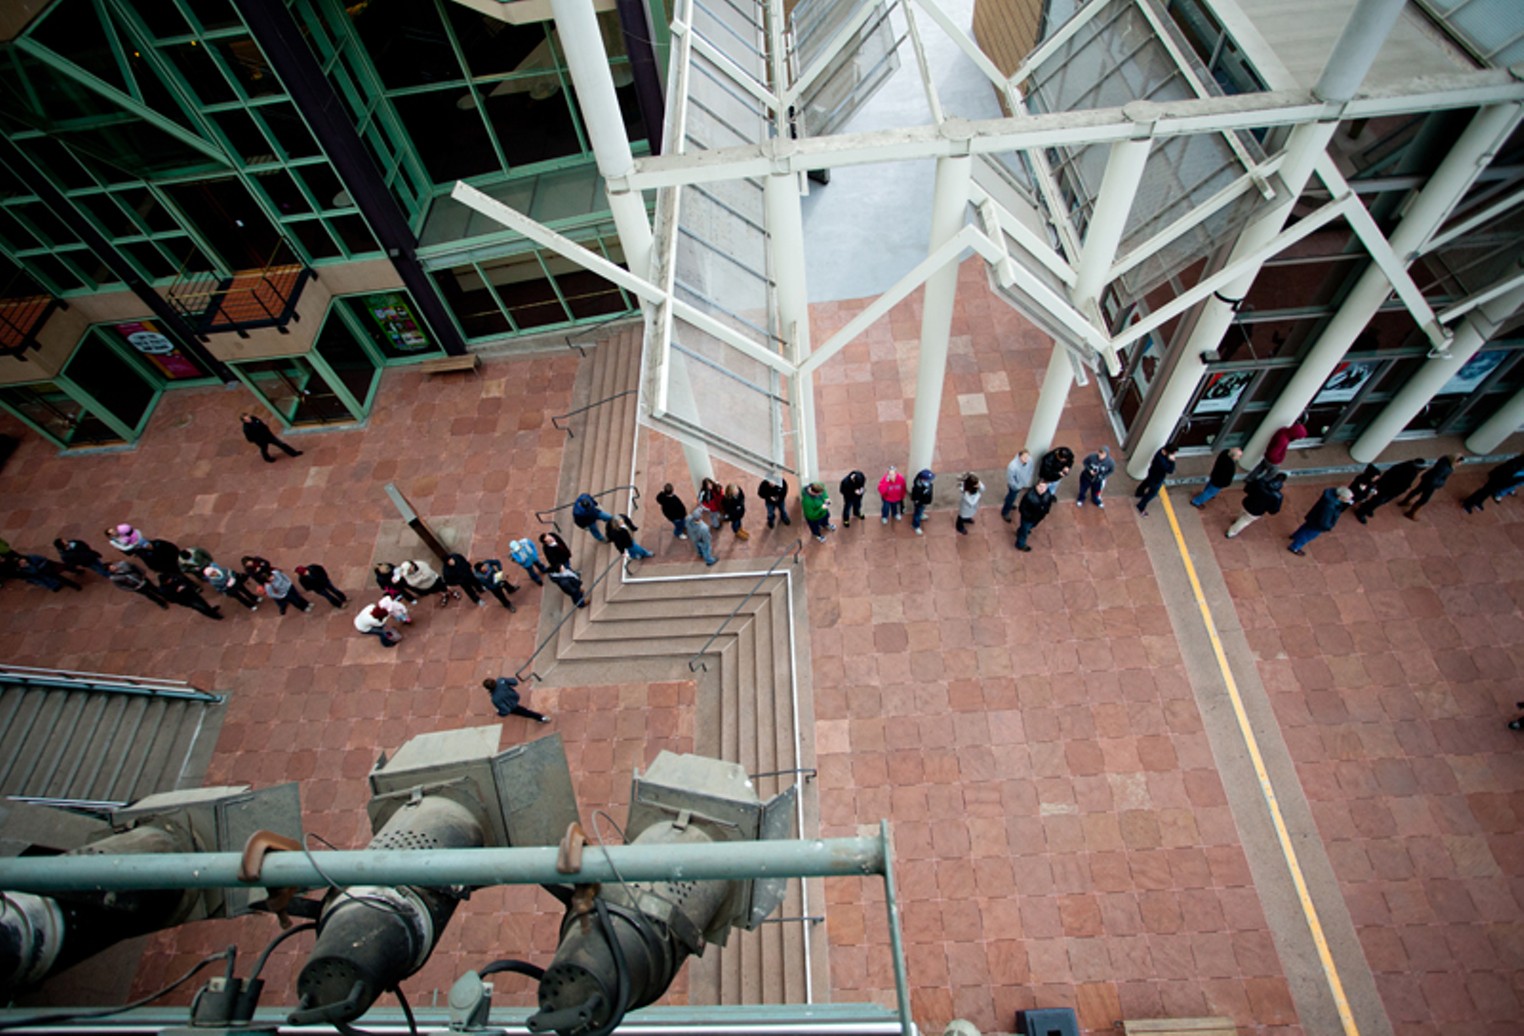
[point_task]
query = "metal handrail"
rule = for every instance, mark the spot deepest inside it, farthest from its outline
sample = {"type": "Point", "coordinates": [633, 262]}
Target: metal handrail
{"type": "Point", "coordinates": [587, 329]}
{"type": "Point", "coordinates": [796, 549]}
{"type": "Point", "coordinates": [634, 505]}
{"type": "Point", "coordinates": [810, 773]}
{"type": "Point", "coordinates": [581, 409]}
{"type": "Point", "coordinates": [519, 673]}
{"type": "Point", "coordinates": [108, 683]}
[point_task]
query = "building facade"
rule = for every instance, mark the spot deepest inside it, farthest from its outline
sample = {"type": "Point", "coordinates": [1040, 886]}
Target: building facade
{"type": "Point", "coordinates": [197, 190]}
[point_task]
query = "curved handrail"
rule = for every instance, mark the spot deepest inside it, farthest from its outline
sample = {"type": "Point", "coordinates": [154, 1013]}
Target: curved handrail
{"type": "Point", "coordinates": [556, 629]}
{"type": "Point", "coordinates": [581, 409]}
{"type": "Point", "coordinates": [634, 505]}
{"type": "Point", "coordinates": [795, 549]}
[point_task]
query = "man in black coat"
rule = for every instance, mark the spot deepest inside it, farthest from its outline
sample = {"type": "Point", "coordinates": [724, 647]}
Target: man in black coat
{"type": "Point", "coordinates": [1223, 470]}
{"type": "Point", "coordinates": [673, 509]}
{"type": "Point", "coordinates": [1394, 481]}
{"type": "Point", "coordinates": [1033, 507]}
{"type": "Point", "coordinates": [1159, 469]}
{"type": "Point", "coordinates": [1323, 517]}
{"type": "Point", "coordinates": [505, 698]}
{"type": "Point", "coordinates": [1503, 477]}
{"type": "Point", "coordinates": [773, 490]}
{"type": "Point", "coordinates": [258, 433]}
{"type": "Point", "coordinates": [1433, 480]}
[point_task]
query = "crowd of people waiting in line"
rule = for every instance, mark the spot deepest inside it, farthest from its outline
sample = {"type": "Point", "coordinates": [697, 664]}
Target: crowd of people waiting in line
{"type": "Point", "coordinates": [176, 575]}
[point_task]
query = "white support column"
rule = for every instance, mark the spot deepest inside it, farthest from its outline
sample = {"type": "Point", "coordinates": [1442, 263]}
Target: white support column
{"type": "Point", "coordinates": [1347, 64]}
{"type": "Point", "coordinates": [1430, 206]}
{"type": "Point", "coordinates": [1508, 419]}
{"type": "Point", "coordinates": [1474, 332]}
{"type": "Point", "coordinates": [948, 204]}
{"type": "Point", "coordinates": [1124, 171]}
{"type": "Point", "coordinates": [588, 62]}
{"type": "Point", "coordinates": [785, 231]}
{"type": "Point", "coordinates": [1050, 401]}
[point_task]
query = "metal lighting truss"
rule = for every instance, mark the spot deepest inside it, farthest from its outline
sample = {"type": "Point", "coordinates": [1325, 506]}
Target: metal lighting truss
{"type": "Point", "coordinates": [1121, 166]}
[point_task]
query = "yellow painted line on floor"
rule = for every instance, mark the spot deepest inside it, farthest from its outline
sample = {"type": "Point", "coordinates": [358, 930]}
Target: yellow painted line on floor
{"type": "Point", "coordinates": [1282, 833]}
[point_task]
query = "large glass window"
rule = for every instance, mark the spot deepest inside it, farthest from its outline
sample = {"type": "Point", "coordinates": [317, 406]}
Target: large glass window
{"type": "Point", "coordinates": [120, 388]}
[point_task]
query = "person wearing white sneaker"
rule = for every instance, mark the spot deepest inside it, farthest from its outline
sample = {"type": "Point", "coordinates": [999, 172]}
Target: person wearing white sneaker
{"type": "Point", "coordinates": [1093, 475]}
{"type": "Point", "coordinates": [920, 497]}
{"type": "Point", "coordinates": [891, 490]}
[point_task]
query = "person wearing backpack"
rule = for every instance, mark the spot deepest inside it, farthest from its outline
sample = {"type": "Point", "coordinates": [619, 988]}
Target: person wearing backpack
{"type": "Point", "coordinates": [1262, 496]}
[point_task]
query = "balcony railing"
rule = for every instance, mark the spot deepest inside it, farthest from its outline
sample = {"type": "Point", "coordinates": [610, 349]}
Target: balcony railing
{"type": "Point", "coordinates": [213, 303]}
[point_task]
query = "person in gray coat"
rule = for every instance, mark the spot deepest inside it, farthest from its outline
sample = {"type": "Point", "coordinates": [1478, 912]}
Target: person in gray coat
{"type": "Point", "coordinates": [698, 534]}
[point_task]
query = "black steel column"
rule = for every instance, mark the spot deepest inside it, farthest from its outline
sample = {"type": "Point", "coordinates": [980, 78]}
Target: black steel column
{"type": "Point", "coordinates": [635, 21]}
{"type": "Point", "coordinates": [279, 36]}
{"type": "Point", "coordinates": [174, 326]}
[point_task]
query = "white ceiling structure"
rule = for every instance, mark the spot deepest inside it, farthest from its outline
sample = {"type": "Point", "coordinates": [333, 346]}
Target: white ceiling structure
{"type": "Point", "coordinates": [752, 107]}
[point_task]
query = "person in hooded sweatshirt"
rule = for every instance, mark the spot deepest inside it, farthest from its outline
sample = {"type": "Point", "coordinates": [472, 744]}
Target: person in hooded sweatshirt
{"type": "Point", "coordinates": [1262, 496]}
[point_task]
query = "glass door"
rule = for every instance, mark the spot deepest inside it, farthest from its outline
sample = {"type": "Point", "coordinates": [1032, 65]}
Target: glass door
{"type": "Point", "coordinates": [350, 367]}
{"type": "Point", "coordinates": [294, 388]}
{"type": "Point", "coordinates": [51, 412]}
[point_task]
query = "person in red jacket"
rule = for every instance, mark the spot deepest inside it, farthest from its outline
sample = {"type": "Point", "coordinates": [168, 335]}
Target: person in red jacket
{"type": "Point", "coordinates": [891, 490]}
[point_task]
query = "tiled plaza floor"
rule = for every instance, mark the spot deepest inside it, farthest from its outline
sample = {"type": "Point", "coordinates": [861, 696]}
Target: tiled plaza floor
{"type": "Point", "coordinates": [1024, 721]}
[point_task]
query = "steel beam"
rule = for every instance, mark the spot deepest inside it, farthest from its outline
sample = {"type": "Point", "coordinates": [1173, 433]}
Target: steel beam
{"type": "Point", "coordinates": [1077, 129]}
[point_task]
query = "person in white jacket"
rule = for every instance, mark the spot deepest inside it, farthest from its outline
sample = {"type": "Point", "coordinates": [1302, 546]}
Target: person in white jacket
{"type": "Point", "coordinates": [421, 578]}
{"type": "Point", "coordinates": [372, 621]}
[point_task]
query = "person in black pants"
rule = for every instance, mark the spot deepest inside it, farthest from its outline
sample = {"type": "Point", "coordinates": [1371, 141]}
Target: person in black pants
{"type": "Point", "coordinates": [128, 576]}
{"type": "Point", "coordinates": [386, 579]}
{"type": "Point", "coordinates": [457, 572]}
{"type": "Point", "coordinates": [1033, 507]}
{"type": "Point", "coordinates": [556, 552]}
{"type": "Point", "coordinates": [489, 576]}
{"type": "Point", "coordinates": [1428, 483]}
{"type": "Point", "coordinates": [182, 591]}
{"type": "Point", "coordinates": [853, 486]}
{"type": "Point", "coordinates": [43, 572]}
{"type": "Point", "coordinates": [162, 556]}
{"type": "Point", "coordinates": [77, 555]}
{"type": "Point", "coordinates": [315, 578]}
{"type": "Point", "coordinates": [1159, 469]}
{"type": "Point", "coordinates": [258, 433]}
{"type": "Point", "coordinates": [505, 698]}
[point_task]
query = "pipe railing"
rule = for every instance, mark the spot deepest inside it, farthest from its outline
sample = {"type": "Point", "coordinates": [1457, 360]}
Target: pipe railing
{"type": "Point", "coordinates": [105, 683]}
{"type": "Point", "coordinates": [582, 409]}
{"type": "Point", "coordinates": [519, 674]}
{"type": "Point", "coordinates": [599, 325]}
{"type": "Point", "coordinates": [697, 661]}
{"type": "Point", "coordinates": [634, 505]}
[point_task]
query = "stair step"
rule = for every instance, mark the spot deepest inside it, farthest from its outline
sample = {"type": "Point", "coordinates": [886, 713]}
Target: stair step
{"type": "Point", "coordinates": [648, 628]}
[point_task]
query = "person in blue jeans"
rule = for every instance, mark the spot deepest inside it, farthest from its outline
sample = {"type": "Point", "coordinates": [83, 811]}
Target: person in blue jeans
{"type": "Point", "coordinates": [586, 514]}
{"type": "Point", "coordinates": [773, 491]}
{"type": "Point", "coordinates": [1223, 470]}
{"type": "Point", "coordinates": [1019, 474]}
{"type": "Point", "coordinates": [1323, 517]}
{"type": "Point", "coordinates": [674, 510]}
{"type": "Point", "coordinates": [698, 532]}
{"type": "Point", "coordinates": [523, 554]}
{"type": "Point", "coordinates": [920, 498]}
{"type": "Point", "coordinates": [620, 532]}
{"type": "Point", "coordinates": [1097, 468]}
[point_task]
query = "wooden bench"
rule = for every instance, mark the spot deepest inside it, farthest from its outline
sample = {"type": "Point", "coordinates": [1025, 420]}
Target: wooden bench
{"type": "Point", "coordinates": [1180, 1027]}
{"type": "Point", "coordinates": [446, 364]}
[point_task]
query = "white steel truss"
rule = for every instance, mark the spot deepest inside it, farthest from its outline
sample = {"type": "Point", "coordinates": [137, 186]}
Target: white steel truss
{"type": "Point", "coordinates": [735, 135]}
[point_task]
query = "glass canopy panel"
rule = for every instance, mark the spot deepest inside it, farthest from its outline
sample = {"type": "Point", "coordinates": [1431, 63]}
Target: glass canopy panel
{"type": "Point", "coordinates": [856, 72]}
{"type": "Point", "coordinates": [1116, 58]}
{"type": "Point", "coordinates": [712, 238]}
{"type": "Point", "coordinates": [1493, 30]}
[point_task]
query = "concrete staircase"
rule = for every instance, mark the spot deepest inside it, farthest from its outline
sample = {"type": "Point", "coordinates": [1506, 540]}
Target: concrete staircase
{"type": "Point", "coordinates": [646, 625]}
{"type": "Point", "coordinates": [95, 740]}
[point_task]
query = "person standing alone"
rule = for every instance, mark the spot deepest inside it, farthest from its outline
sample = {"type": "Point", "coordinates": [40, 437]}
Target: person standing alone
{"type": "Point", "coordinates": [505, 698]}
{"type": "Point", "coordinates": [258, 433]}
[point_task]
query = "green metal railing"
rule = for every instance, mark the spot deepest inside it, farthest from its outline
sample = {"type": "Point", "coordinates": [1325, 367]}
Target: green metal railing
{"type": "Point", "coordinates": [481, 868]}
